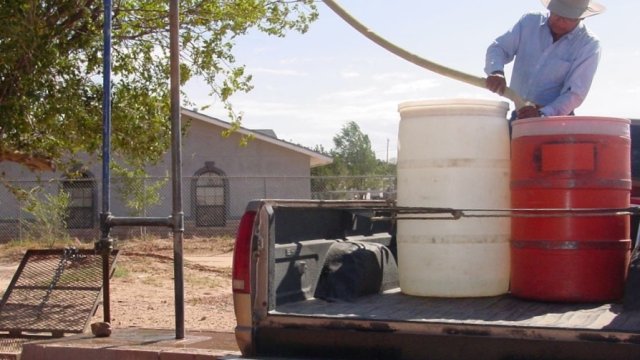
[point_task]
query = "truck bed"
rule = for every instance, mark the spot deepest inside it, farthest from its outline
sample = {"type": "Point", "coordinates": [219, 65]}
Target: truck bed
{"type": "Point", "coordinates": [295, 292]}
{"type": "Point", "coordinates": [504, 310]}
{"type": "Point", "coordinates": [326, 283]}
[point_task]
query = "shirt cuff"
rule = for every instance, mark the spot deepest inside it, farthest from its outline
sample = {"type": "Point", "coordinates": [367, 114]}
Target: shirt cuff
{"type": "Point", "coordinates": [545, 111]}
{"type": "Point", "coordinates": [493, 66]}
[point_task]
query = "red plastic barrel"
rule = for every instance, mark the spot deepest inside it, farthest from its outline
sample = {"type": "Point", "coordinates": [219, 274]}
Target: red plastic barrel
{"type": "Point", "coordinates": [570, 162]}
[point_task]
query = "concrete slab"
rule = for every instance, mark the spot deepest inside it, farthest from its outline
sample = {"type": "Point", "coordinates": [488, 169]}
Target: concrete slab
{"type": "Point", "coordinates": [135, 344]}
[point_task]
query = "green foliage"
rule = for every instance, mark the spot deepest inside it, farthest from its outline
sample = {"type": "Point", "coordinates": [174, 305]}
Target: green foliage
{"type": "Point", "coordinates": [354, 167]}
{"type": "Point", "coordinates": [386, 168]}
{"type": "Point", "coordinates": [51, 68]}
{"type": "Point", "coordinates": [49, 211]}
{"type": "Point", "coordinates": [353, 150]}
{"type": "Point", "coordinates": [136, 190]}
{"type": "Point", "coordinates": [121, 272]}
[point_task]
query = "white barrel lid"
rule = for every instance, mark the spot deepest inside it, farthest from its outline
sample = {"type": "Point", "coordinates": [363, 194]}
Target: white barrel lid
{"type": "Point", "coordinates": [452, 107]}
{"type": "Point", "coordinates": [578, 125]}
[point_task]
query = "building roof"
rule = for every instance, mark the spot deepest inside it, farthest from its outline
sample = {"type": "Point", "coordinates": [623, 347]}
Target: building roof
{"type": "Point", "coordinates": [315, 158]}
{"type": "Point", "coordinates": [267, 132]}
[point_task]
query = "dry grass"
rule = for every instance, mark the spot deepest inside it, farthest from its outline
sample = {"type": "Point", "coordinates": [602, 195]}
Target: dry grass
{"type": "Point", "coordinates": [14, 250]}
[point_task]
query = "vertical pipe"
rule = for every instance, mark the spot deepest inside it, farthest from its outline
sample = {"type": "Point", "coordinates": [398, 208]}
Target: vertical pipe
{"type": "Point", "coordinates": [176, 165]}
{"type": "Point", "coordinates": [106, 292]}
{"type": "Point", "coordinates": [106, 108]}
{"type": "Point", "coordinates": [104, 244]}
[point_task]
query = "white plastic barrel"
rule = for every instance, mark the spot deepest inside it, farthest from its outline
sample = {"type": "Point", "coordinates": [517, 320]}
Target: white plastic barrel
{"type": "Point", "coordinates": [454, 153]}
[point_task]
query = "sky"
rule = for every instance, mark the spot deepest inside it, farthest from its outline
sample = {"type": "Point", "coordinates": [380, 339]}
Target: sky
{"type": "Point", "coordinates": [307, 87]}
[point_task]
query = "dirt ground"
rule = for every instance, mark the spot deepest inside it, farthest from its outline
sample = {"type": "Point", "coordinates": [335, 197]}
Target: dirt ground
{"type": "Point", "coordinates": [142, 287]}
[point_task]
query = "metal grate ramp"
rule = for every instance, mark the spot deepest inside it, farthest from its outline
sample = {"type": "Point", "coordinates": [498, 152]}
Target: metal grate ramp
{"type": "Point", "coordinates": [9, 344]}
{"type": "Point", "coordinates": [53, 291]}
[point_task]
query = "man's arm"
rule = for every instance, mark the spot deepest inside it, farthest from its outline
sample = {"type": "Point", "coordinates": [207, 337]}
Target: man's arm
{"type": "Point", "coordinates": [501, 52]}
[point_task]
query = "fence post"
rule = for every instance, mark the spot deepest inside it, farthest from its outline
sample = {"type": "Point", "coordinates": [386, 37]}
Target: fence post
{"type": "Point", "coordinates": [20, 220]}
{"type": "Point", "coordinates": [264, 187]}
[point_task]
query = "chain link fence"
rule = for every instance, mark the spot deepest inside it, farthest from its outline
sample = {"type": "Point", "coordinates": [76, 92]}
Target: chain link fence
{"type": "Point", "coordinates": [212, 204]}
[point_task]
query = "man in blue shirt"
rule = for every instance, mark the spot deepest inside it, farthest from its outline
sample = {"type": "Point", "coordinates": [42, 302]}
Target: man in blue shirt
{"type": "Point", "coordinates": [556, 57]}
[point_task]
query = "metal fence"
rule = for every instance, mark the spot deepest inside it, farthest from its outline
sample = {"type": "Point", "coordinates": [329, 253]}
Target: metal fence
{"type": "Point", "coordinates": [212, 204]}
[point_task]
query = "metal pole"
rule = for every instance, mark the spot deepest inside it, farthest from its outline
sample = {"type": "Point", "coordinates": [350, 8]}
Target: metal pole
{"type": "Point", "coordinates": [176, 166]}
{"type": "Point", "coordinates": [105, 245]}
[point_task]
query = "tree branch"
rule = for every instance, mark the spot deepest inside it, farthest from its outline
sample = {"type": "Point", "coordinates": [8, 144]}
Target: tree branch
{"type": "Point", "coordinates": [28, 160]}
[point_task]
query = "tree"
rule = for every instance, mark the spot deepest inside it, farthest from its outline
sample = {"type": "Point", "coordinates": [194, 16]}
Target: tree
{"type": "Point", "coordinates": [51, 70]}
{"type": "Point", "coordinates": [49, 216]}
{"type": "Point", "coordinates": [137, 191]}
{"type": "Point", "coordinates": [353, 149]}
{"type": "Point", "coordinates": [354, 164]}
{"type": "Point", "coordinates": [352, 154]}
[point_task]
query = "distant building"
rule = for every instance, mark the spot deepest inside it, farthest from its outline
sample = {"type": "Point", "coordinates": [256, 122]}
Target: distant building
{"type": "Point", "coordinates": [219, 177]}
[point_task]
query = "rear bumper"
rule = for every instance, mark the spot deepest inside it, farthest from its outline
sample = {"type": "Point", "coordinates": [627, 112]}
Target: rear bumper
{"type": "Point", "coordinates": [384, 344]}
{"type": "Point", "coordinates": [243, 330]}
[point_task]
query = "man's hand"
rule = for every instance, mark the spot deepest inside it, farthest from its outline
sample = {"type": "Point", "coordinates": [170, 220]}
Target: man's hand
{"type": "Point", "coordinates": [528, 111]}
{"type": "Point", "coordinates": [496, 83]}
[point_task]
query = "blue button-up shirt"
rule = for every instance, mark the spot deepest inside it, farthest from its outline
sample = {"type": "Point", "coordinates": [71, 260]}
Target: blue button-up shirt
{"type": "Point", "coordinates": [556, 76]}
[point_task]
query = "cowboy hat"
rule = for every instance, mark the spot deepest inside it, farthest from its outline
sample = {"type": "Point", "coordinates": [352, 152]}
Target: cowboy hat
{"type": "Point", "coordinates": [573, 9]}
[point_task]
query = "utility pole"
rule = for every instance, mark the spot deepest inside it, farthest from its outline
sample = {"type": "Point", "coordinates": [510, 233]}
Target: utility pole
{"type": "Point", "coordinates": [387, 150]}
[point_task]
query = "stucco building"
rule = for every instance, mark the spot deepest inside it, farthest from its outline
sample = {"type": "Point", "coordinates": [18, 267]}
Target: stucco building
{"type": "Point", "coordinates": [219, 177]}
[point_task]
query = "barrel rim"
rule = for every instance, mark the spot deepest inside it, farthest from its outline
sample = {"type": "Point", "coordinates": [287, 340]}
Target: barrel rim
{"type": "Point", "coordinates": [563, 125]}
{"type": "Point", "coordinates": [451, 103]}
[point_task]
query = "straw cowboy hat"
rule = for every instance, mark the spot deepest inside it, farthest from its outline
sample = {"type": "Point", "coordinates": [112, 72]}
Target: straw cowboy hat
{"type": "Point", "coordinates": [573, 9]}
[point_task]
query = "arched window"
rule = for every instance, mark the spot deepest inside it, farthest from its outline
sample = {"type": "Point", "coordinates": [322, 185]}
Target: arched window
{"type": "Point", "coordinates": [209, 192]}
{"type": "Point", "coordinates": [82, 201]}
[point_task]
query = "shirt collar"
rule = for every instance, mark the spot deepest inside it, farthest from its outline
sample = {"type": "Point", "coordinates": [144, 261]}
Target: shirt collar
{"type": "Point", "coordinates": [572, 33]}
